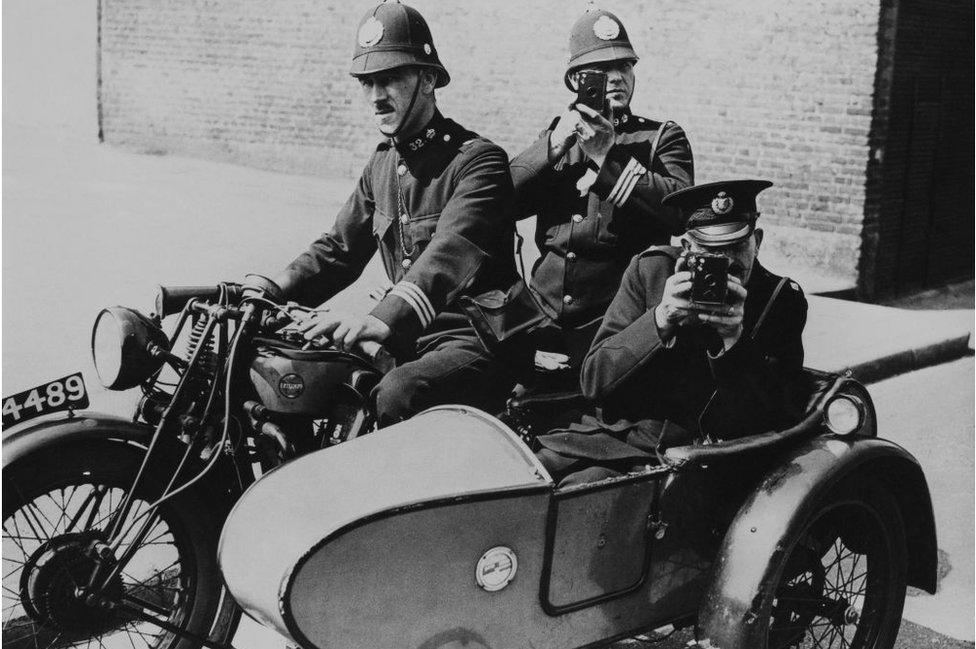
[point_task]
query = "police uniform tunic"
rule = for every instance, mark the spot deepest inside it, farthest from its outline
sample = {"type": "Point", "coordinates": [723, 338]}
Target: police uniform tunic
{"type": "Point", "coordinates": [644, 384]}
{"type": "Point", "coordinates": [587, 238]}
{"type": "Point", "coordinates": [438, 208]}
{"type": "Point", "coordinates": [755, 383]}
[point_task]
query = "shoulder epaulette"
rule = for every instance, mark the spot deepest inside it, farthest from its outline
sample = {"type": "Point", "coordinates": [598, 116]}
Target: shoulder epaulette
{"type": "Point", "coordinates": [669, 251]}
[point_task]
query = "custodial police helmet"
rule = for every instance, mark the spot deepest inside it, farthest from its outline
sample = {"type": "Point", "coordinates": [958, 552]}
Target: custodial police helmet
{"type": "Point", "coordinates": [598, 36]}
{"type": "Point", "coordinates": [393, 35]}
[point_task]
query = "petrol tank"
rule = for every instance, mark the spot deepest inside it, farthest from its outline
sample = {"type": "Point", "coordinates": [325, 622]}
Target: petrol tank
{"type": "Point", "coordinates": [304, 382]}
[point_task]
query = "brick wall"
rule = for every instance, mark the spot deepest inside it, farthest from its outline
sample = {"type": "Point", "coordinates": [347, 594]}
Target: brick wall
{"type": "Point", "coordinates": [918, 226]}
{"type": "Point", "coordinates": [778, 89]}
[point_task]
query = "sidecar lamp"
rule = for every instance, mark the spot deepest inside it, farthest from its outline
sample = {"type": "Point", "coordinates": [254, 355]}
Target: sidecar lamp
{"type": "Point", "coordinates": [120, 339]}
{"type": "Point", "coordinates": [844, 415]}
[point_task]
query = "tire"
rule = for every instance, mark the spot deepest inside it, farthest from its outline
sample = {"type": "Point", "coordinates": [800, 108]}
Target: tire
{"type": "Point", "coordinates": [842, 581]}
{"type": "Point", "coordinates": [55, 504]}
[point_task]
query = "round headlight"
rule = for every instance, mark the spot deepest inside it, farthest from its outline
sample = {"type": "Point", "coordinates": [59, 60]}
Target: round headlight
{"type": "Point", "coordinates": [120, 339]}
{"type": "Point", "coordinates": [844, 415]}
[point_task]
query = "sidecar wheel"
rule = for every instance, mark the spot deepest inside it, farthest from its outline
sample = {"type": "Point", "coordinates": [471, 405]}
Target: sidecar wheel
{"type": "Point", "coordinates": [842, 581]}
{"type": "Point", "coordinates": [54, 506]}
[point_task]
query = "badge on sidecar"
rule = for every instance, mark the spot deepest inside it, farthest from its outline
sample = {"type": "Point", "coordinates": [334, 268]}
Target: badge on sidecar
{"type": "Point", "coordinates": [291, 385]}
{"type": "Point", "coordinates": [496, 568]}
{"type": "Point", "coordinates": [67, 393]}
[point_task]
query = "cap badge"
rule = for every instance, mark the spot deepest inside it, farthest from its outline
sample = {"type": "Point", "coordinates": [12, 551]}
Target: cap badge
{"type": "Point", "coordinates": [606, 28]}
{"type": "Point", "coordinates": [722, 204]}
{"type": "Point", "coordinates": [371, 32]}
{"type": "Point", "coordinates": [426, 48]}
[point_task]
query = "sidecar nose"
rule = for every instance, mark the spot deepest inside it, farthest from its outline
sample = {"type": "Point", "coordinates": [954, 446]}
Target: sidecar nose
{"type": "Point", "coordinates": [349, 539]}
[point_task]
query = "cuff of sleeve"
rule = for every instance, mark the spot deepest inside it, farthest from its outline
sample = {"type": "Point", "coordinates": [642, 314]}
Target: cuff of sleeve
{"type": "Point", "coordinates": [668, 343]}
{"type": "Point", "coordinates": [288, 281]}
{"type": "Point", "coordinates": [535, 158]}
{"type": "Point", "coordinates": [400, 316]}
{"type": "Point", "coordinates": [405, 303]}
{"type": "Point", "coordinates": [618, 176]}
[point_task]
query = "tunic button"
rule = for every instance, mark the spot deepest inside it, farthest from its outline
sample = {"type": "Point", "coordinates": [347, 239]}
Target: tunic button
{"type": "Point", "coordinates": [570, 256]}
{"type": "Point", "coordinates": [567, 299]}
{"type": "Point", "coordinates": [577, 218]}
{"type": "Point", "coordinates": [401, 169]}
{"type": "Point", "coordinates": [406, 263]}
{"type": "Point", "coordinates": [404, 219]}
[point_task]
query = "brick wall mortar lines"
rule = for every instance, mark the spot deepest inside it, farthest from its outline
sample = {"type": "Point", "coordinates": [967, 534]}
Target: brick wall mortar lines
{"type": "Point", "coordinates": [777, 89]}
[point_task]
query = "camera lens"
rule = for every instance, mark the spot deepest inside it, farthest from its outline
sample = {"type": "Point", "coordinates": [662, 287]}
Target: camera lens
{"type": "Point", "coordinates": [711, 287]}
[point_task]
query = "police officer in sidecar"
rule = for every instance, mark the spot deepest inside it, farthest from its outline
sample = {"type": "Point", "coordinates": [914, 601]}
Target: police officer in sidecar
{"type": "Point", "coordinates": [671, 364]}
{"type": "Point", "coordinates": [436, 201]}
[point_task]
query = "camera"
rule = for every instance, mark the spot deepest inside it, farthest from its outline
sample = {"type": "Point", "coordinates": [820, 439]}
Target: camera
{"type": "Point", "coordinates": [709, 277]}
{"type": "Point", "coordinates": [592, 89]}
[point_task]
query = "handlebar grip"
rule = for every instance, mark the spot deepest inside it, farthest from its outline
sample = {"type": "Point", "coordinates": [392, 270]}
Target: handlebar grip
{"type": "Point", "coordinates": [172, 299]}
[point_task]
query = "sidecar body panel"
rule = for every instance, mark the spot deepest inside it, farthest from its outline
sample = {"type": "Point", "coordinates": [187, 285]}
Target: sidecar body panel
{"type": "Point", "coordinates": [291, 526]}
{"type": "Point", "coordinates": [382, 542]}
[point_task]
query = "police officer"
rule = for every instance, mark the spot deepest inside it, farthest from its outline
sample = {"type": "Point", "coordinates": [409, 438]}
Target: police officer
{"type": "Point", "coordinates": [668, 370]}
{"type": "Point", "coordinates": [436, 201]}
{"type": "Point", "coordinates": [595, 182]}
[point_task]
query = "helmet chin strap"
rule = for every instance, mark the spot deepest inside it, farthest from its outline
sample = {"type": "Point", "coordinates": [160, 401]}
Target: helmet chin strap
{"type": "Point", "coordinates": [409, 111]}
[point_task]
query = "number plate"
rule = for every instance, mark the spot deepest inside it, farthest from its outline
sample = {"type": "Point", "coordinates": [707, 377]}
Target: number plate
{"type": "Point", "coordinates": [67, 393]}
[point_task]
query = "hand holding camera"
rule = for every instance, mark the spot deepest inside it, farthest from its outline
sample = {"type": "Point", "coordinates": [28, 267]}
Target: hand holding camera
{"type": "Point", "coordinates": [595, 133]}
{"type": "Point", "coordinates": [563, 134]}
{"type": "Point", "coordinates": [702, 291]}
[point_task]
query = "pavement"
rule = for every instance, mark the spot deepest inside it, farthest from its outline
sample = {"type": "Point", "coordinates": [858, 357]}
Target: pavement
{"type": "Point", "coordinates": [87, 226]}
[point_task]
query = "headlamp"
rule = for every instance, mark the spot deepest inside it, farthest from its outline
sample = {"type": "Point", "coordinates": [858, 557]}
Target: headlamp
{"type": "Point", "coordinates": [844, 414]}
{"type": "Point", "coordinates": [121, 340]}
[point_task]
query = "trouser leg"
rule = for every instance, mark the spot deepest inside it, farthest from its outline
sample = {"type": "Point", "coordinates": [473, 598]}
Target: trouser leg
{"type": "Point", "coordinates": [458, 370]}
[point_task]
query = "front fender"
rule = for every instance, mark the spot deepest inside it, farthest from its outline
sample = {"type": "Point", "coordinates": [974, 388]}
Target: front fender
{"type": "Point", "coordinates": [46, 434]}
{"type": "Point", "coordinates": [86, 427]}
{"type": "Point", "coordinates": [745, 566]}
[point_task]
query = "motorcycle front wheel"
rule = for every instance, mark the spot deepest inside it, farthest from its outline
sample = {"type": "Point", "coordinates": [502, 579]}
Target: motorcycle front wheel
{"type": "Point", "coordinates": [56, 507]}
{"type": "Point", "coordinates": [842, 583]}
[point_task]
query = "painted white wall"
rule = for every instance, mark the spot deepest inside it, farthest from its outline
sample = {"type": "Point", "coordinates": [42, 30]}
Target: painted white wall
{"type": "Point", "coordinates": [49, 66]}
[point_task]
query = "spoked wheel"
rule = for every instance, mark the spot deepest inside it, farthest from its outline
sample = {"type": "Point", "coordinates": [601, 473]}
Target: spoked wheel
{"type": "Point", "coordinates": [843, 583]}
{"type": "Point", "coordinates": [55, 513]}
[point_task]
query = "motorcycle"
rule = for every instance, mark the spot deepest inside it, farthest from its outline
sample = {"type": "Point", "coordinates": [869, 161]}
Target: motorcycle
{"type": "Point", "coordinates": [111, 524]}
{"type": "Point", "coordinates": [441, 531]}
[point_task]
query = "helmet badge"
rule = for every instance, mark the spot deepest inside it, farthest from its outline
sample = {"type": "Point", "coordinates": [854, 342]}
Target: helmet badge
{"type": "Point", "coordinates": [722, 204]}
{"type": "Point", "coordinates": [427, 48]}
{"type": "Point", "coordinates": [371, 32]}
{"type": "Point", "coordinates": [606, 28]}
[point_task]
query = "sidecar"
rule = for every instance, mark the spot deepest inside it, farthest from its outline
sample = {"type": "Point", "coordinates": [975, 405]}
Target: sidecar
{"type": "Point", "coordinates": [445, 531]}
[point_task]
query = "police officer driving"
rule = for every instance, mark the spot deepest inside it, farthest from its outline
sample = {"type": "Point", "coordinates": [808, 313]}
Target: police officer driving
{"type": "Point", "coordinates": [595, 180]}
{"type": "Point", "coordinates": [436, 201]}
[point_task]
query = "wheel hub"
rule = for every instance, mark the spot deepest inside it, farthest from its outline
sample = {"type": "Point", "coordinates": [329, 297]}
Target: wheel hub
{"type": "Point", "coordinates": [51, 582]}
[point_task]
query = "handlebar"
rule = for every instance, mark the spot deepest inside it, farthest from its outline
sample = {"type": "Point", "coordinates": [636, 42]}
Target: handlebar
{"type": "Point", "coordinates": [173, 299]}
